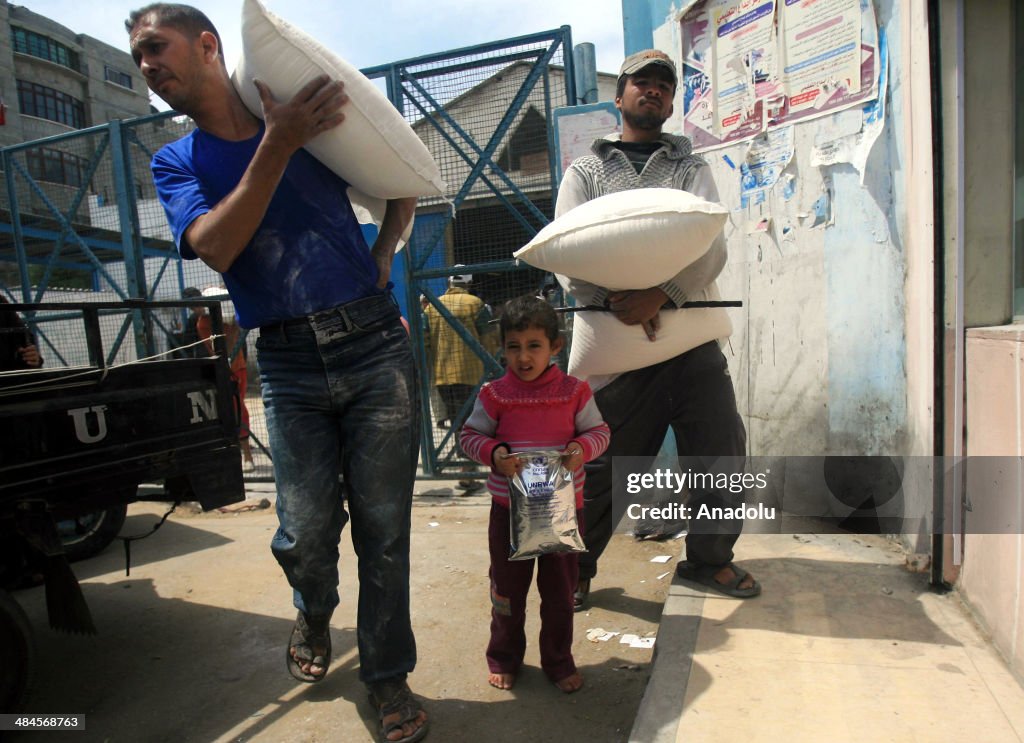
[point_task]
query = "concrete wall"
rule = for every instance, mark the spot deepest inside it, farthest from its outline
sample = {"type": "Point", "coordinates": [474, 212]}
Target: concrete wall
{"type": "Point", "coordinates": [832, 352]}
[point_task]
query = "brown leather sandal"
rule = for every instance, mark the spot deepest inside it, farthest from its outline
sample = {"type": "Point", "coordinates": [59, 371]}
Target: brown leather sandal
{"type": "Point", "coordinates": [307, 634]}
{"type": "Point", "coordinates": [391, 697]}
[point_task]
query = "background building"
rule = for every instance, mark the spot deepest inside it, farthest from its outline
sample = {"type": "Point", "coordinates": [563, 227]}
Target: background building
{"type": "Point", "coordinates": [53, 80]}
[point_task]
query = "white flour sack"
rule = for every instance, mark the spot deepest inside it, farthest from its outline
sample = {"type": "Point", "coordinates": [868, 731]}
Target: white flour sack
{"type": "Point", "coordinates": [603, 345]}
{"type": "Point", "coordinates": [632, 239]}
{"type": "Point", "coordinates": [374, 149]}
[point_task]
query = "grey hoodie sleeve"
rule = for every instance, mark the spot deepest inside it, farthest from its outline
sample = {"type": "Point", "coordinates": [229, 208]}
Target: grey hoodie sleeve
{"type": "Point", "coordinates": [698, 275]}
{"type": "Point", "coordinates": [573, 192]}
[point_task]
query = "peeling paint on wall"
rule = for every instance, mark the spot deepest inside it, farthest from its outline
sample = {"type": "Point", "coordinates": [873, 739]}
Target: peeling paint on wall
{"type": "Point", "coordinates": [819, 349]}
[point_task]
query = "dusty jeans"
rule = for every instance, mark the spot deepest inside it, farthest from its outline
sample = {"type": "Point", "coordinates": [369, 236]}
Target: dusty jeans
{"type": "Point", "coordinates": [340, 396]}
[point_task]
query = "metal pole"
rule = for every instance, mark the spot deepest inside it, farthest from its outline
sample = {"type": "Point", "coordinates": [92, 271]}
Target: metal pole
{"type": "Point", "coordinates": [585, 60]}
{"type": "Point", "coordinates": [19, 236]}
{"type": "Point", "coordinates": [135, 270]}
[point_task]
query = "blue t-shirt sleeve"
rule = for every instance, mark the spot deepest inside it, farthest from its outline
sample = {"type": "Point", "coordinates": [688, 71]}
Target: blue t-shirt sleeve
{"type": "Point", "coordinates": [181, 194]}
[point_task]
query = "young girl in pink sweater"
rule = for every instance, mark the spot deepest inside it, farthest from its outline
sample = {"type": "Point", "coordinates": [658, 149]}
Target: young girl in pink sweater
{"type": "Point", "coordinates": [535, 406]}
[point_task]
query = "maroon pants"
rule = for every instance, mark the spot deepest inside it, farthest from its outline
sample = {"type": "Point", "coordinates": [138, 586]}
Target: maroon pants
{"type": "Point", "coordinates": [510, 582]}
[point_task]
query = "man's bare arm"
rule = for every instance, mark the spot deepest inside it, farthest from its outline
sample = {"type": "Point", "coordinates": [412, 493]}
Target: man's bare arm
{"type": "Point", "coordinates": [397, 214]}
{"type": "Point", "coordinates": [219, 236]}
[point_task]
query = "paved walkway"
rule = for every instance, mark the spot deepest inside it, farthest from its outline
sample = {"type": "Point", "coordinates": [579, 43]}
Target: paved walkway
{"type": "Point", "coordinates": [844, 644]}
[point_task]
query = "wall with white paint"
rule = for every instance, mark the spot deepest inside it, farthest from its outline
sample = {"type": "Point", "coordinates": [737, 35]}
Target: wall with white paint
{"type": "Point", "coordinates": [836, 316]}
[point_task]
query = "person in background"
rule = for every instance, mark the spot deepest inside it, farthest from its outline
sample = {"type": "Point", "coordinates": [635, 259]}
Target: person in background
{"type": "Point", "coordinates": [242, 194]}
{"type": "Point", "coordinates": [239, 365]}
{"type": "Point", "coordinates": [189, 335]}
{"type": "Point", "coordinates": [18, 348]}
{"type": "Point", "coordinates": [457, 368]}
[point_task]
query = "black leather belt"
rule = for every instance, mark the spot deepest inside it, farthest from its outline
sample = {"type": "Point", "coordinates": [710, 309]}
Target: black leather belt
{"type": "Point", "coordinates": [359, 315]}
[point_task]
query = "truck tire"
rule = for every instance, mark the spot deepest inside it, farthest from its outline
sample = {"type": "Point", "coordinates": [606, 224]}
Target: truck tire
{"type": "Point", "coordinates": [89, 534]}
{"type": "Point", "coordinates": [18, 652]}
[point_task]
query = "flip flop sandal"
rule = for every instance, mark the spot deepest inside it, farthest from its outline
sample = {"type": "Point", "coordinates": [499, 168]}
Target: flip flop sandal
{"type": "Point", "coordinates": [705, 576]}
{"type": "Point", "coordinates": [309, 632]}
{"type": "Point", "coordinates": [390, 697]}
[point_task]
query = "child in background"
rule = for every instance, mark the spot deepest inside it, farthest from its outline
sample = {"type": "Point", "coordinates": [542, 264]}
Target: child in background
{"type": "Point", "coordinates": [535, 406]}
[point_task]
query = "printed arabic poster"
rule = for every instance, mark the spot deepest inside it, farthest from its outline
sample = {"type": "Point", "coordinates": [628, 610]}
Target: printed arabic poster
{"type": "Point", "coordinates": [576, 128]}
{"type": "Point", "coordinates": [743, 59]}
{"type": "Point", "coordinates": [830, 49]}
{"type": "Point", "coordinates": [742, 41]}
{"type": "Point", "coordinates": [699, 122]}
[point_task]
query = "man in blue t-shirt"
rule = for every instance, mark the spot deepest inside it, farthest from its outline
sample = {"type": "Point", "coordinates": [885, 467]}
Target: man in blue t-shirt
{"type": "Point", "coordinates": [335, 362]}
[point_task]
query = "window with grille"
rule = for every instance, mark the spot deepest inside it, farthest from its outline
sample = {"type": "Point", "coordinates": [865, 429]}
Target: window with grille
{"type": "Point", "coordinates": [117, 77]}
{"type": "Point", "coordinates": [37, 45]}
{"type": "Point", "coordinates": [55, 166]}
{"type": "Point", "coordinates": [47, 103]}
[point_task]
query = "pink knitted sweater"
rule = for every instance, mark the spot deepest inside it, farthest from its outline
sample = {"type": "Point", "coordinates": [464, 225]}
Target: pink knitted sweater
{"type": "Point", "coordinates": [547, 413]}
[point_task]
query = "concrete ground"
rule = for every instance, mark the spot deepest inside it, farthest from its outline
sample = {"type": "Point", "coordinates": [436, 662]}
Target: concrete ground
{"type": "Point", "coordinates": [191, 644]}
{"type": "Point", "coordinates": [845, 644]}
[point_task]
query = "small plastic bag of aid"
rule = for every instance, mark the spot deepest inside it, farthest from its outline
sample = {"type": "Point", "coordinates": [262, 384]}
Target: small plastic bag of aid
{"type": "Point", "coordinates": [543, 507]}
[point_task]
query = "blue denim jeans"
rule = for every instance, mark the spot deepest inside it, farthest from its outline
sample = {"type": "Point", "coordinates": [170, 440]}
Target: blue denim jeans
{"type": "Point", "coordinates": [340, 396]}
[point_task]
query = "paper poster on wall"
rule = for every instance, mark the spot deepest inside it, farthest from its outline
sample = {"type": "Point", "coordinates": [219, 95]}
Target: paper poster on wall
{"type": "Point", "coordinates": [835, 94]}
{"type": "Point", "coordinates": [821, 46]}
{"type": "Point", "coordinates": [831, 146]}
{"type": "Point", "coordinates": [743, 54]}
{"type": "Point", "coordinates": [576, 128]}
{"type": "Point", "coordinates": [698, 92]}
{"type": "Point", "coordinates": [823, 58]}
{"type": "Point", "coordinates": [767, 157]}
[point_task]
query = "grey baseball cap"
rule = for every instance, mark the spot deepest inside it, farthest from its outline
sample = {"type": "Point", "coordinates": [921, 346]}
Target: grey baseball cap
{"type": "Point", "coordinates": [637, 61]}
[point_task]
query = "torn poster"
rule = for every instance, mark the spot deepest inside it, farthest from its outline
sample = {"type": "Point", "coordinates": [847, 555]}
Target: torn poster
{"type": "Point", "coordinates": [743, 52]}
{"type": "Point", "coordinates": [833, 145]}
{"type": "Point", "coordinates": [823, 59]}
{"type": "Point", "coordinates": [767, 157]}
{"type": "Point", "coordinates": [822, 208]}
{"type": "Point", "coordinates": [838, 86]}
{"type": "Point", "coordinates": [821, 46]}
{"type": "Point", "coordinates": [698, 90]}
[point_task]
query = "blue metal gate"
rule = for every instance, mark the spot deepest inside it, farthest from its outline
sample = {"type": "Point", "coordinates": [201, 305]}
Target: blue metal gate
{"type": "Point", "coordinates": [486, 114]}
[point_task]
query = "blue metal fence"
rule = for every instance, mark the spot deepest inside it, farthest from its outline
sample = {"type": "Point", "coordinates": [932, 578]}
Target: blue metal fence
{"type": "Point", "coordinates": [486, 114]}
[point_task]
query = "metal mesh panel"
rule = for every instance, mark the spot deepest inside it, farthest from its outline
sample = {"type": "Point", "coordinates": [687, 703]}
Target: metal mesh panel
{"type": "Point", "coordinates": [486, 116]}
{"type": "Point", "coordinates": [85, 224]}
{"type": "Point", "coordinates": [65, 200]}
{"type": "Point", "coordinates": [146, 137]}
